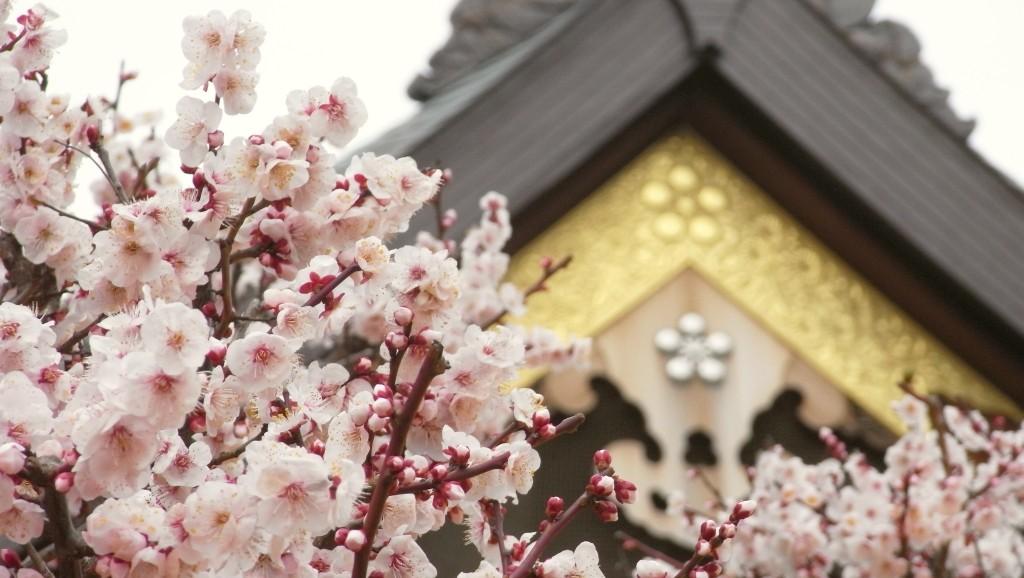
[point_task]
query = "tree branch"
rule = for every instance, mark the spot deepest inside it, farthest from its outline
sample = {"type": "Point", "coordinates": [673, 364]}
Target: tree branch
{"type": "Point", "coordinates": [433, 365]}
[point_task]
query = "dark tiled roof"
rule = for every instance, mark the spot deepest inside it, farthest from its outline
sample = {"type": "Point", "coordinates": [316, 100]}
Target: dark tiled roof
{"type": "Point", "coordinates": [848, 91]}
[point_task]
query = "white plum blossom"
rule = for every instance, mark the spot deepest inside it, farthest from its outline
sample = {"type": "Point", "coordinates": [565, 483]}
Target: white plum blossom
{"type": "Point", "coordinates": [580, 563]}
{"type": "Point", "coordinates": [260, 360]}
{"type": "Point", "coordinates": [334, 115]}
{"type": "Point", "coordinates": [190, 132]}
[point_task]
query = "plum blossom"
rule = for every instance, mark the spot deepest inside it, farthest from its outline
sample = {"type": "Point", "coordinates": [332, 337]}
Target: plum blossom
{"type": "Point", "coordinates": [403, 558]}
{"type": "Point", "coordinates": [581, 563]}
{"type": "Point", "coordinates": [292, 490]}
{"type": "Point", "coordinates": [190, 133]}
{"type": "Point", "coordinates": [178, 333]}
{"type": "Point", "coordinates": [260, 360]}
{"type": "Point", "coordinates": [334, 115]}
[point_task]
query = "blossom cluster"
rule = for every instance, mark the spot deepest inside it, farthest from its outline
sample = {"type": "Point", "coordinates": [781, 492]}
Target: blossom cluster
{"type": "Point", "coordinates": [947, 503]}
{"type": "Point", "coordinates": [231, 369]}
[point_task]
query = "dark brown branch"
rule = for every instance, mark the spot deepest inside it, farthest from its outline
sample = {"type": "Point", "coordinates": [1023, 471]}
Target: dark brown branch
{"type": "Point", "coordinates": [433, 365]}
{"type": "Point", "coordinates": [226, 456]}
{"type": "Point", "coordinates": [79, 335]}
{"type": "Point", "coordinates": [327, 289]}
{"type": "Point", "coordinates": [496, 462]}
{"type": "Point", "coordinates": [525, 568]}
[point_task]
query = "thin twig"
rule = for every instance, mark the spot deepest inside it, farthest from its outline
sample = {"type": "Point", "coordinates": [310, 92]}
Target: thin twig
{"type": "Point", "coordinates": [37, 560]}
{"type": "Point", "coordinates": [539, 285]}
{"type": "Point", "coordinates": [327, 289]}
{"type": "Point", "coordinates": [79, 335]}
{"type": "Point", "coordinates": [226, 456]}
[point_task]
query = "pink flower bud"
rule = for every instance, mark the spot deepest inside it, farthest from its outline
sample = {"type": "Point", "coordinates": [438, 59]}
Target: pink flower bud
{"type": "Point", "coordinates": [602, 460]}
{"type": "Point", "coordinates": [601, 486]}
{"type": "Point", "coordinates": [69, 458]}
{"type": "Point", "coordinates": [396, 341]}
{"type": "Point", "coordinates": [625, 491]}
{"type": "Point", "coordinates": [197, 423]}
{"type": "Point", "coordinates": [217, 352]}
{"type": "Point", "coordinates": [453, 491]}
{"type": "Point", "coordinates": [355, 540]}
{"type": "Point", "coordinates": [63, 482]}
{"type": "Point", "coordinates": [395, 464]}
{"type": "Point", "coordinates": [459, 455]}
{"type": "Point", "coordinates": [363, 366]}
{"type": "Point", "coordinates": [707, 530]}
{"type": "Point", "coordinates": [727, 530]}
{"type": "Point", "coordinates": [92, 135]}
{"type": "Point", "coordinates": [9, 558]}
{"type": "Point", "coordinates": [360, 414]}
{"type": "Point", "coordinates": [215, 139]}
{"type": "Point", "coordinates": [743, 510]}
{"type": "Point", "coordinates": [256, 139]}
{"type": "Point", "coordinates": [12, 460]}
{"type": "Point", "coordinates": [703, 548]}
{"type": "Point", "coordinates": [340, 535]}
{"type": "Point", "coordinates": [318, 447]}
{"type": "Point", "coordinates": [383, 407]}
{"type": "Point", "coordinates": [403, 316]}
{"type": "Point", "coordinates": [547, 432]}
{"type": "Point", "coordinates": [376, 423]}
{"type": "Point", "coordinates": [554, 506]}
{"type": "Point", "coordinates": [713, 569]}
{"type": "Point", "coordinates": [541, 418]}
{"type": "Point", "coordinates": [240, 429]}
{"type": "Point", "coordinates": [607, 511]}
{"type": "Point", "coordinates": [382, 390]}
{"type": "Point", "coordinates": [438, 471]}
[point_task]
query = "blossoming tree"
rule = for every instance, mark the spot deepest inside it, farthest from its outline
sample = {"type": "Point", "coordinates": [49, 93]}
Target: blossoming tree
{"type": "Point", "coordinates": [237, 369]}
{"type": "Point", "coordinates": [228, 372]}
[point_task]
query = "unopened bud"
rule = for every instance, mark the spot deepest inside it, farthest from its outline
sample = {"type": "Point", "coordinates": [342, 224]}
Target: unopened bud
{"type": "Point", "coordinates": [727, 530]}
{"type": "Point", "coordinates": [438, 471]}
{"type": "Point", "coordinates": [383, 407]}
{"type": "Point", "coordinates": [376, 423]}
{"type": "Point", "coordinates": [197, 423]}
{"type": "Point", "coordinates": [625, 491]}
{"type": "Point", "coordinates": [396, 341]}
{"type": "Point", "coordinates": [601, 486]}
{"type": "Point", "coordinates": [395, 464]}
{"type": "Point", "coordinates": [240, 429]}
{"type": "Point", "coordinates": [9, 558]}
{"type": "Point", "coordinates": [547, 432]}
{"type": "Point", "coordinates": [92, 135]}
{"type": "Point", "coordinates": [713, 569]}
{"type": "Point", "coordinates": [318, 447]}
{"type": "Point", "coordinates": [382, 390]}
{"type": "Point", "coordinates": [355, 540]}
{"type": "Point", "coordinates": [541, 418]}
{"type": "Point", "coordinates": [363, 366]}
{"type": "Point", "coordinates": [453, 491]}
{"type": "Point", "coordinates": [554, 507]}
{"type": "Point", "coordinates": [602, 460]}
{"type": "Point", "coordinates": [403, 316]}
{"type": "Point", "coordinates": [215, 139]}
{"type": "Point", "coordinates": [63, 482]}
{"type": "Point", "coordinates": [743, 510]}
{"type": "Point", "coordinates": [607, 511]}
{"type": "Point", "coordinates": [359, 414]}
{"type": "Point", "coordinates": [217, 352]}
{"type": "Point", "coordinates": [703, 548]}
{"type": "Point", "coordinates": [707, 530]}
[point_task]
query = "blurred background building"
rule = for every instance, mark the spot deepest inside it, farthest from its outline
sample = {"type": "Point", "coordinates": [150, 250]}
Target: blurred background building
{"type": "Point", "coordinates": [774, 217]}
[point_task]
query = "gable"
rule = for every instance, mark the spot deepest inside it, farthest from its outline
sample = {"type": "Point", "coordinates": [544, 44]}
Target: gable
{"type": "Point", "coordinates": [680, 205]}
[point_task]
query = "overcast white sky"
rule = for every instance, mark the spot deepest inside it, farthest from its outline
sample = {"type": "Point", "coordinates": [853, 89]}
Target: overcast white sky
{"type": "Point", "coordinates": [974, 48]}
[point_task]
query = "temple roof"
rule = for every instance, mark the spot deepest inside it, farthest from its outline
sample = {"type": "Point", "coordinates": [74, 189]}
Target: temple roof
{"type": "Point", "coordinates": [526, 93]}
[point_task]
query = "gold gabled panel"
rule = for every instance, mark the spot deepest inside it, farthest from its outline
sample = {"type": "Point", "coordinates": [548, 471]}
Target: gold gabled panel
{"type": "Point", "coordinates": [679, 205]}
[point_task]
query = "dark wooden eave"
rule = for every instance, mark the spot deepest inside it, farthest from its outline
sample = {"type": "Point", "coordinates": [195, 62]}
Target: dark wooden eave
{"type": "Point", "coordinates": [785, 96]}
